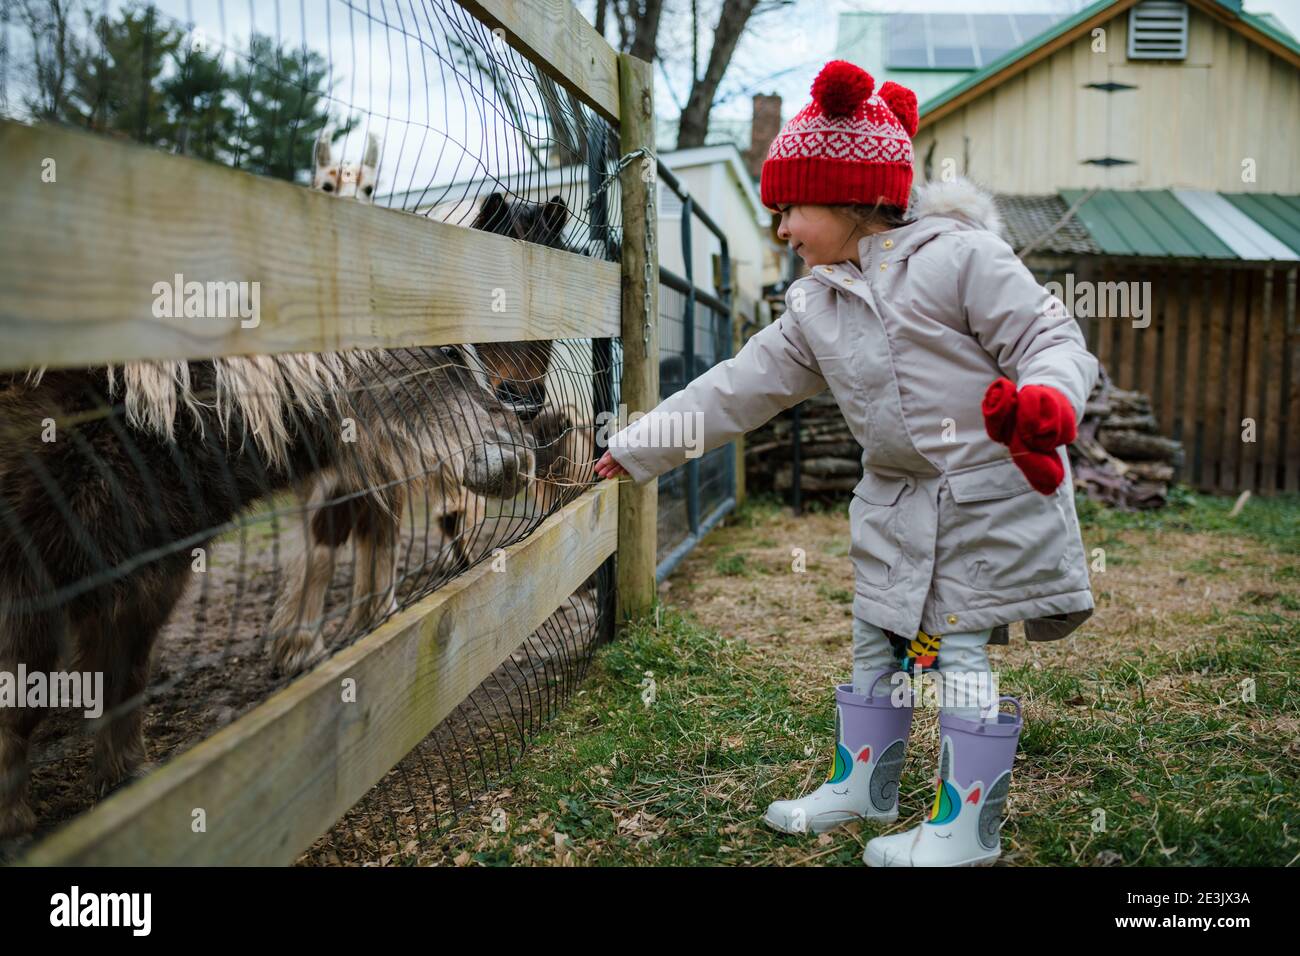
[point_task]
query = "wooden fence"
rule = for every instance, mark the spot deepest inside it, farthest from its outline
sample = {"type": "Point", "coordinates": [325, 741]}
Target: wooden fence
{"type": "Point", "coordinates": [1221, 362]}
{"type": "Point", "coordinates": [75, 284]}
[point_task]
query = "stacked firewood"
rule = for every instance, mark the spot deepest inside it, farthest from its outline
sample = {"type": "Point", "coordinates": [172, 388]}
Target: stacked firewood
{"type": "Point", "coordinates": [830, 457]}
{"type": "Point", "coordinates": [1119, 456]}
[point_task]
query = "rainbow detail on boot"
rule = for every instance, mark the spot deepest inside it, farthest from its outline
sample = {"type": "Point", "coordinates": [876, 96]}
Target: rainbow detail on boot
{"type": "Point", "coordinates": [948, 801]}
{"type": "Point", "coordinates": [965, 821]}
{"type": "Point", "coordinates": [947, 798]}
{"type": "Point", "coordinates": [862, 784]}
{"type": "Point", "coordinates": [947, 804]}
{"type": "Point", "coordinates": [841, 766]}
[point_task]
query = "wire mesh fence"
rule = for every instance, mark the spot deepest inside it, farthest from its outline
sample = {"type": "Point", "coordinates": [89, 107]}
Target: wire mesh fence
{"type": "Point", "coordinates": [435, 110]}
{"type": "Point", "coordinates": [452, 769]}
{"type": "Point", "coordinates": [199, 532]}
{"type": "Point", "coordinates": [695, 333]}
{"type": "Point", "coordinates": [683, 508]}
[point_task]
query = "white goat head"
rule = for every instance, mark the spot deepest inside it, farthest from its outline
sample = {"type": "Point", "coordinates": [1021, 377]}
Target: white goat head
{"type": "Point", "coordinates": [346, 180]}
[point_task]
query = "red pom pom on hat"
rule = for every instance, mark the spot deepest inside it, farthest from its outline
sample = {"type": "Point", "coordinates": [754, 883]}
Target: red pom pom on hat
{"type": "Point", "coordinates": [842, 87]}
{"type": "Point", "coordinates": [903, 102]}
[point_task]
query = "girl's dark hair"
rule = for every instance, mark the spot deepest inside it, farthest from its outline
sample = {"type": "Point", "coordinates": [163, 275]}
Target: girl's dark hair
{"type": "Point", "coordinates": [875, 214]}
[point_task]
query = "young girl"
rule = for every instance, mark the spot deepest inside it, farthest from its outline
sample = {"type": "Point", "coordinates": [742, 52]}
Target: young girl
{"type": "Point", "coordinates": [962, 379]}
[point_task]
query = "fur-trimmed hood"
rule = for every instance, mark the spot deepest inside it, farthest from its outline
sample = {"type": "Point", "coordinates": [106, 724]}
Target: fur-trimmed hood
{"type": "Point", "coordinates": [959, 198]}
{"type": "Point", "coordinates": [938, 208]}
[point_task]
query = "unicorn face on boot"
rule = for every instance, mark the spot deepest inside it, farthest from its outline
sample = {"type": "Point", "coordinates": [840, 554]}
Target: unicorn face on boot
{"type": "Point", "coordinates": [957, 809]}
{"type": "Point", "coordinates": [870, 740]}
{"type": "Point", "coordinates": [965, 822]}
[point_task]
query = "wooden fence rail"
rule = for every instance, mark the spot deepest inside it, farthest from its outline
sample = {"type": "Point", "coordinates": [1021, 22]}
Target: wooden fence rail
{"type": "Point", "coordinates": [77, 278]}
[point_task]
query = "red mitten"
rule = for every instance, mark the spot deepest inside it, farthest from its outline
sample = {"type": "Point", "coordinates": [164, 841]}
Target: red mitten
{"type": "Point", "coordinates": [999, 407]}
{"type": "Point", "coordinates": [1032, 422]}
{"type": "Point", "coordinates": [1043, 468]}
{"type": "Point", "coordinates": [1044, 418]}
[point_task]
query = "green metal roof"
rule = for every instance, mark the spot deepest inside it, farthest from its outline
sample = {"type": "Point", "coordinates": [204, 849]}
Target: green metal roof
{"type": "Point", "coordinates": [1191, 223]}
{"type": "Point", "coordinates": [1268, 24]}
{"type": "Point", "coordinates": [1279, 214]}
{"type": "Point", "coordinates": [1260, 24]}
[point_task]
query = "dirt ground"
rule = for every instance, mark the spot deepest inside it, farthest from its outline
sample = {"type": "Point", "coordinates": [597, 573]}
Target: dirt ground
{"type": "Point", "coordinates": [1164, 584]}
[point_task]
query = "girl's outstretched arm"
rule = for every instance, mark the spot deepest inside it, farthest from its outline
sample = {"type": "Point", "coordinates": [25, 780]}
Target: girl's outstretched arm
{"type": "Point", "coordinates": [773, 371]}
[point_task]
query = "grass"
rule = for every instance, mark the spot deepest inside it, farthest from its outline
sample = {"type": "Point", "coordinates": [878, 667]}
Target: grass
{"type": "Point", "coordinates": [617, 781]}
{"type": "Point", "coordinates": [1275, 519]}
{"type": "Point", "coordinates": [1165, 732]}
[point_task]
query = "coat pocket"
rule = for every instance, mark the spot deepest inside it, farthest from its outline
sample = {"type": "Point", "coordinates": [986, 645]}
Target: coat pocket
{"type": "Point", "coordinates": [873, 529]}
{"type": "Point", "coordinates": [1009, 535]}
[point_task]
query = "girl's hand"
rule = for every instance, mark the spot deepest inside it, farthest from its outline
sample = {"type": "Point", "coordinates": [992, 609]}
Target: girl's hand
{"type": "Point", "coordinates": [1040, 415]}
{"type": "Point", "coordinates": [608, 467]}
{"type": "Point", "coordinates": [1032, 422]}
{"type": "Point", "coordinates": [1044, 418]}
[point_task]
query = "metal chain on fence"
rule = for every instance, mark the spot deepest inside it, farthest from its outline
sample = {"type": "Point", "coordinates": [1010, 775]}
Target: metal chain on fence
{"type": "Point", "coordinates": [623, 163]}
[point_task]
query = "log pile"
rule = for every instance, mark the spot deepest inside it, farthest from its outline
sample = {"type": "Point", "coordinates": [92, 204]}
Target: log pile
{"type": "Point", "coordinates": [831, 458]}
{"type": "Point", "coordinates": [1119, 456]}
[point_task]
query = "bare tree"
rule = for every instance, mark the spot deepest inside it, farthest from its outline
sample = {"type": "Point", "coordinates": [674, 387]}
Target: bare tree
{"type": "Point", "coordinates": [645, 42]}
{"type": "Point", "coordinates": [694, 125]}
{"type": "Point", "coordinates": [54, 54]}
{"type": "Point", "coordinates": [638, 23]}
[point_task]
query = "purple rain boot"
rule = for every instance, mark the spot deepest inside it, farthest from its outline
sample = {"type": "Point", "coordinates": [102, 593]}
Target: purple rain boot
{"type": "Point", "coordinates": [870, 739]}
{"type": "Point", "coordinates": [964, 828]}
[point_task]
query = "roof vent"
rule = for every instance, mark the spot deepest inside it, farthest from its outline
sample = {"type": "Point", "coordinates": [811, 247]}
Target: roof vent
{"type": "Point", "coordinates": [1157, 30]}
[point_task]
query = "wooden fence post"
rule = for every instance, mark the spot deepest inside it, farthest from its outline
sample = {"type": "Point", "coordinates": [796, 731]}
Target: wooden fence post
{"type": "Point", "coordinates": [639, 391]}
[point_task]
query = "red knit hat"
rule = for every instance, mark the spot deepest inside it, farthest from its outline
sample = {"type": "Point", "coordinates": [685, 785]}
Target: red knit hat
{"type": "Point", "coordinates": [849, 145]}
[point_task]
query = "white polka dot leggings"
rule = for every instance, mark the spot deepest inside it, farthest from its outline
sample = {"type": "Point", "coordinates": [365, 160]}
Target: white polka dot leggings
{"type": "Point", "coordinates": [962, 661]}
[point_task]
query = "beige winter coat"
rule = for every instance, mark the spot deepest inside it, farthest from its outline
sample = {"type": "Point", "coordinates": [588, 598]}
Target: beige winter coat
{"type": "Point", "coordinates": [946, 533]}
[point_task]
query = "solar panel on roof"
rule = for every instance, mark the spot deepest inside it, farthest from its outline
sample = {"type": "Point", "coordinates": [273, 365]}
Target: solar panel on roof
{"type": "Point", "coordinates": [1032, 24]}
{"type": "Point", "coordinates": [993, 35]}
{"type": "Point", "coordinates": [908, 48]}
{"type": "Point", "coordinates": [950, 41]}
{"type": "Point", "coordinates": [957, 41]}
